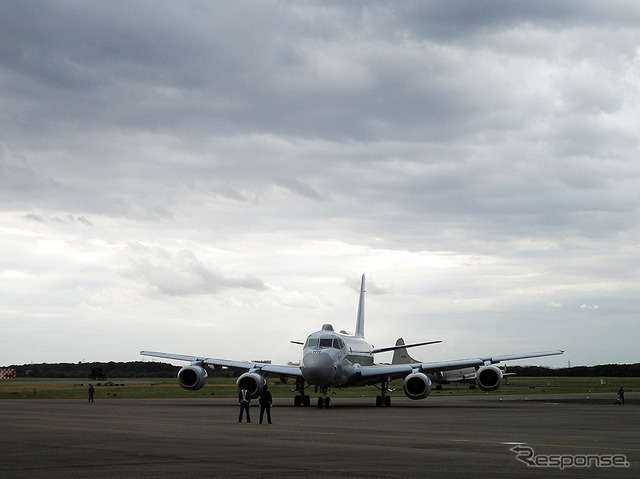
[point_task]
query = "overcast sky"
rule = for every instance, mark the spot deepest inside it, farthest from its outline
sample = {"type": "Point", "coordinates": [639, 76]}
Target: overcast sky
{"type": "Point", "coordinates": [213, 178]}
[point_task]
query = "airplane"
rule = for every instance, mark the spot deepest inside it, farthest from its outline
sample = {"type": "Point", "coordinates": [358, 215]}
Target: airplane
{"type": "Point", "coordinates": [464, 375]}
{"type": "Point", "coordinates": [331, 359]}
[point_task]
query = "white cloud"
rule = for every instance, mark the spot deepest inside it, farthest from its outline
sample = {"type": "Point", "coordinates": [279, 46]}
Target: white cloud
{"type": "Point", "coordinates": [587, 306]}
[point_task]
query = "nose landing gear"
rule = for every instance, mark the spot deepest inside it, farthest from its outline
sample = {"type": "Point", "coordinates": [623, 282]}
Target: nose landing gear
{"type": "Point", "coordinates": [324, 401]}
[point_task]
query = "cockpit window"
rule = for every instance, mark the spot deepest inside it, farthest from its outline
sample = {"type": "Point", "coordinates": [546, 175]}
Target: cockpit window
{"type": "Point", "coordinates": [336, 343]}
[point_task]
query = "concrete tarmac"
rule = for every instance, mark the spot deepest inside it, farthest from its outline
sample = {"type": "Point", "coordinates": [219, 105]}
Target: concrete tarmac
{"type": "Point", "coordinates": [437, 437]}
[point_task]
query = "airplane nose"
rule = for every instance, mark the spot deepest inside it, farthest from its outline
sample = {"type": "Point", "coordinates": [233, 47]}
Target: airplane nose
{"type": "Point", "coordinates": [318, 368]}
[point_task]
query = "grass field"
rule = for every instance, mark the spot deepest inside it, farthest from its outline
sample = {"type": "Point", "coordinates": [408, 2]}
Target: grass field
{"type": "Point", "coordinates": [224, 388]}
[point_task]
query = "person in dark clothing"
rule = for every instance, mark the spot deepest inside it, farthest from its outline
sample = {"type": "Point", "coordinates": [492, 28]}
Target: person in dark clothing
{"type": "Point", "coordinates": [621, 395]}
{"type": "Point", "coordinates": [244, 398]}
{"type": "Point", "coordinates": [266, 401]}
{"type": "Point", "coordinates": [91, 391]}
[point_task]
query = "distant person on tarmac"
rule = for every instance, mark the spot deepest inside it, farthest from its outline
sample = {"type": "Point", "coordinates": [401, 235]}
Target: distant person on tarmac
{"type": "Point", "coordinates": [91, 391]}
{"type": "Point", "coordinates": [621, 395]}
{"type": "Point", "coordinates": [244, 398]}
{"type": "Point", "coordinates": [266, 400]}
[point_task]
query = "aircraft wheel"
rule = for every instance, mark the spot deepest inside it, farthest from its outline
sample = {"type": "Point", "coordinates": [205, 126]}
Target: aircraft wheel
{"type": "Point", "coordinates": [320, 403]}
{"type": "Point", "coordinates": [327, 403]}
{"type": "Point", "coordinates": [387, 401]}
{"type": "Point", "coordinates": [297, 401]}
{"type": "Point", "coordinates": [306, 400]}
{"type": "Point", "coordinates": [378, 401]}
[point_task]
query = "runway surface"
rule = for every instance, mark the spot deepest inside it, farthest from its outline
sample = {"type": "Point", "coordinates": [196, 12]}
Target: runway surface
{"type": "Point", "coordinates": [437, 437]}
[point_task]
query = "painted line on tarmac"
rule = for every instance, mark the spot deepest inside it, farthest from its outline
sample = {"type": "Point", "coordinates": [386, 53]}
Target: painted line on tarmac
{"type": "Point", "coordinates": [542, 444]}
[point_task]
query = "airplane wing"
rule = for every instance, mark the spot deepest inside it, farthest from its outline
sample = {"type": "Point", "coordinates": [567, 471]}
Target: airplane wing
{"type": "Point", "coordinates": [280, 370]}
{"type": "Point", "coordinates": [399, 370]}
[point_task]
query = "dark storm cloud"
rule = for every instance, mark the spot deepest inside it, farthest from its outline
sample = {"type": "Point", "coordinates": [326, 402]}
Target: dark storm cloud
{"type": "Point", "coordinates": [87, 87]}
{"type": "Point", "coordinates": [330, 70]}
{"type": "Point", "coordinates": [465, 19]}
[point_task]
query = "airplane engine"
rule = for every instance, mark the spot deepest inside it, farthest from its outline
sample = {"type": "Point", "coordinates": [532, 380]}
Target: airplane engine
{"type": "Point", "coordinates": [192, 377]}
{"type": "Point", "coordinates": [252, 382]}
{"type": "Point", "coordinates": [417, 386]}
{"type": "Point", "coordinates": [489, 378]}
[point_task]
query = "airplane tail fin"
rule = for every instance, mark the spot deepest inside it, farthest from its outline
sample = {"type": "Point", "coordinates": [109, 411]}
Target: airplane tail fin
{"type": "Point", "coordinates": [401, 356]}
{"type": "Point", "coordinates": [360, 319]}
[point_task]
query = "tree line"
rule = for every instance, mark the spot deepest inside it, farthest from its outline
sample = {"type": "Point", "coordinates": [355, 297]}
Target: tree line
{"type": "Point", "coordinates": [134, 369]}
{"type": "Point", "coordinates": [602, 370]}
{"type": "Point", "coordinates": [144, 369]}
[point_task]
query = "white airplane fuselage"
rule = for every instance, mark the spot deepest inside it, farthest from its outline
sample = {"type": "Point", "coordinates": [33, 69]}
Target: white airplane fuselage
{"type": "Point", "coordinates": [333, 359]}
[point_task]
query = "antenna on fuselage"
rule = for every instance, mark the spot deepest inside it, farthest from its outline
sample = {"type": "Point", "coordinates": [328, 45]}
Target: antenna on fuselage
{"type": "Point", "coordinates": [360, 319]}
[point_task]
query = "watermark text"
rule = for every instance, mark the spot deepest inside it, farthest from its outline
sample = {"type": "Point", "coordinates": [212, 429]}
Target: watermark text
{"type": "Point", "coordinates": [527, 455]}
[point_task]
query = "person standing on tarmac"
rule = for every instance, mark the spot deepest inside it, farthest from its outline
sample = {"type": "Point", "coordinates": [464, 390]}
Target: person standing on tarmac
{"type": "Point", "coordinates": [266, 401]}
{"type": "Point", "coordinates": [244, 398]}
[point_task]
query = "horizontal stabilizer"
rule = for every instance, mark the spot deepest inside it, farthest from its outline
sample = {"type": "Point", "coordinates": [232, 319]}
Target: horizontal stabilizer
{"type": "Point", "coordinates": [403, 346]}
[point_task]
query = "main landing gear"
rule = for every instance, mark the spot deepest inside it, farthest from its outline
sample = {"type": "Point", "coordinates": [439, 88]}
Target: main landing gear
{"type": "Point", "coordinates": [383, 399]}
{"type": "Point", "coordinates": [301, 399]}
